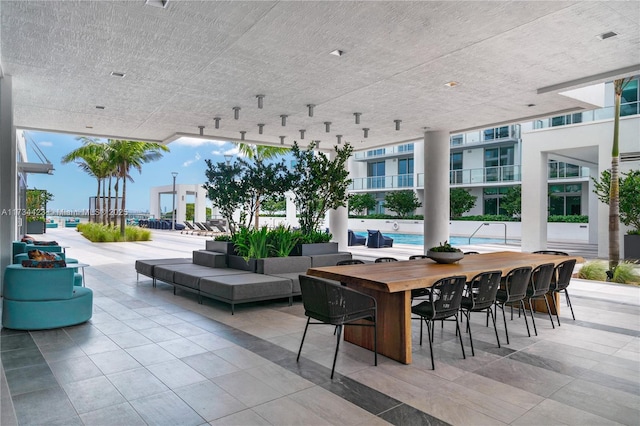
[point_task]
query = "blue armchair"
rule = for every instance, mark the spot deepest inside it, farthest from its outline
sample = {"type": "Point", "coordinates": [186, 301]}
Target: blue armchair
{"type": "Point", "coordinates": [40, 299]}
{"type": "Point", "coordinates": [377, 240]}
{"type": "Point", "coordinates": [354, 240]}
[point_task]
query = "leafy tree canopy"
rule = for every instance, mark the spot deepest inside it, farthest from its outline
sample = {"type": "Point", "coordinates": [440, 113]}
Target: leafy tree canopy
{"type": "Point", "coordinates": [512, 201]}
{"type": "Point", "coordinates": [361, 203]}
{"type": "Point", "coordinates": [629, 188]}
{"type": "Point", "coordinates": [402, 203]}
{"type": "Point", "coordinates": [461, 201]}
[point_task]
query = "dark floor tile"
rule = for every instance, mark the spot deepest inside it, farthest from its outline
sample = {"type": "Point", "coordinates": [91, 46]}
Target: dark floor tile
{"type": "Point", "coordinates": [93, 394]}
{"type": "Point", "coordinates": [166, 409]}
{"type": "Point", "coordinates": [10, 332]}
{"type": "Point", "coordinates": [548, 364]}
{"type": "Point", "coordinates": [44, 407]}
{"type": "Point", "coordinates": [16, 341]}
{"type": "Point", "coordinates": [19, 358]}
{"type": "Point", "coordinates": [30, 379]}
{"type": "Point", "coordinates": [363, 396]}
{"type": "Point", "coordinates": [405, 415]}
{"type": "Point", "coordinates": [629, 385]}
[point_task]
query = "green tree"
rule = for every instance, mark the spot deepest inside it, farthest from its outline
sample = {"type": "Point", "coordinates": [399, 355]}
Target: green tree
{"type": "Point", "coordinates": [361, 203]}
{"type": "Point", "coordinates": [614, 190]}
{"type": "Point", "coordinates": [190, 209]}
{"type": "Point", "coordinates": [629, 185]}
{"type": "Point", "coordinates": [512, 201]}
{"type": "Point", "coordinates": [320, 184]}
{"type": "Point", "coordinates": [461, 201]}
{"type": "Point", "coordinates": [259, 154]}
{"type": "Point", "coordinates": [401, 202]}
{"type": "Point", "coordinates": [127, 155]}
{"type": "Point", "coordinates": [225, 189]}
{"type": "Point", "coordinates": [274, 203]}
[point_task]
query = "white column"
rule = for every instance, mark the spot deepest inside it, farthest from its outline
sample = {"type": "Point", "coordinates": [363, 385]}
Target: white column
{"type": "Point", "coordinates": [534, 198]}
{"type": "Point", "coordinates": [8, 175]}
{"type": "Point", "coordinates": [339, 221]}
{"type": "Point", "coordinates": [436, 188]}
{"type": "Point", "coordinates": [593, 203]}
{"type": "Point", "coordinates": [290, 211]}
{"type": "Point", "coordinates": [200, 204]}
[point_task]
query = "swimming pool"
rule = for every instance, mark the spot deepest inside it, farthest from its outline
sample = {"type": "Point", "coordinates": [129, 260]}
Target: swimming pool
{"type": "Point", "coordinates": [418, 240]}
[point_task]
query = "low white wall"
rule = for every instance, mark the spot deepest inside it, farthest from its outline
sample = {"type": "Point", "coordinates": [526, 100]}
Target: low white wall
{"type": "Point", "coordinates": [570, 232]}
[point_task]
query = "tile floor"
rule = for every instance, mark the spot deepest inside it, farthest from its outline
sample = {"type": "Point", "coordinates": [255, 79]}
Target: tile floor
{"type": "Point", "coordinates": [149, 357]}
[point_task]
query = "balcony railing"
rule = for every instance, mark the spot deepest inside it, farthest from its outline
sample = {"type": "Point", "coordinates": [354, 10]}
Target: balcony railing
{"type": "Point", "coordinates": [383, 152]}
{"type": "Point", "coordinates": [383, 182]}
{"type": "Point", "coordinates": [485, 175]}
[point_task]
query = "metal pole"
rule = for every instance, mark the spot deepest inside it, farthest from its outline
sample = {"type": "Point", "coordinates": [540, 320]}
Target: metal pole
{"type": "Point", "coordinates": [173, 211]}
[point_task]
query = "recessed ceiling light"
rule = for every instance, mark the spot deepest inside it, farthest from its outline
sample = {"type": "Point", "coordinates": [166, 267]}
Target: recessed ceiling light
{"type": "Point", "coordinates": [157, 3]}
{"type": "Point", "coordinates": [99, 107]}
{"type": "Point", "coordinates": [531, 105]}
{"type": "Point", "coordinates": [117, 74]}
{"type": "Point", "coordinates": [451, 84]}
{"type": "Point", "coordinates": [606, 35]}
{"type": "Point", "coordinates": [337, 52]}
{"type": "Point", "coordinates": [89, 127]}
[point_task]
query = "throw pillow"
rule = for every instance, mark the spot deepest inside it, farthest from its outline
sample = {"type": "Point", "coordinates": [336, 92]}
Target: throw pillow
{"type": "Point", "coordinates": [45, 243]}
{"type": "Point", "coordinates": [43, 263]}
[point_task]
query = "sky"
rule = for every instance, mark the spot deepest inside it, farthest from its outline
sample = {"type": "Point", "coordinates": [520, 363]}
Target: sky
{"type": "Point", "coordinates": [71, 187]}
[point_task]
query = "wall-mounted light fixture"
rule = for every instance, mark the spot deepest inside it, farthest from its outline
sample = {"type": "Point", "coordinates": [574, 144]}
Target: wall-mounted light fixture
{"type": "Point", "coordinates": [302, 133]}
{"type": "Point", "coordinates": [339, 137]}
{"type": "Point", "coordinates": [236, 113]}
{"type": "Point", "coordinates": [327, 126]}
{"type": "Point", "coordinates": [310, 106]}
{"type": "Point", "coordinates": [366, 132]}
{"type": "Point", "coordinates": [357, 115]}
{"type": "Point", "coordinates": [397, 124]}
{"type": "Point", "coordinates": [217, 120]}
{"type": "Point", "coordinates": [201, 130]}
{"type": "Point", "coordinates": [282, 140]}
{"type": "Point", "coordinates": [260, 101]}
{"type": "Point", "coordinates": [260, 127]}
{"type": "Point", "coordinates": [242, 133]}
{"type": "Point", "coordinates": [284, 119]}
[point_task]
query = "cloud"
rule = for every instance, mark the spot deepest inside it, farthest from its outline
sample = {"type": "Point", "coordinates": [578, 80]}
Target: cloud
{"type": "Point", "coordinates": [190, 162]}
{"type": "Point", "coordinates": [45, 143]}
{"type": "Point", "coordinates": [194, 142]}
{"type": "Point", "coordinates": [231, 151]}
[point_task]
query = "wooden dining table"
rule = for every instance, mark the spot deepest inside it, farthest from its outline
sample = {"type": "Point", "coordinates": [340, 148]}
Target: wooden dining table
{"type": "Point", "coordinates": [391, 284]}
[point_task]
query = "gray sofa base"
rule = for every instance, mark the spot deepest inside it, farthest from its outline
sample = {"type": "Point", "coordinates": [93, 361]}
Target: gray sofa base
{"type": "Point", "coordinates": [146, 266]}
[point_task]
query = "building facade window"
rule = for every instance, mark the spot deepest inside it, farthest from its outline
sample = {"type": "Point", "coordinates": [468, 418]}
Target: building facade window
{"type": "Point", "coordinates": [565, 200]}
{"type": "Point", "coordinates": [491, 199]}
{"type": "Point", "coordinates": [405, 172]}
{"type": "Point", "coordinates": [498, 163]}
{"type": "Point", "coordinates": [561, 170]}
{"type": "Point", "coordinates": [455, 166]}
{"type": "Point", "coordinates": [375, 174]}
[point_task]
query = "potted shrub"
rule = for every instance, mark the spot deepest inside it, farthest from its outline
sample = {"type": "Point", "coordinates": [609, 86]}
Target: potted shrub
{"type": "Point", "coordinates": [221, 244]}
{"type": "Point", "coordinates": [314, 243]}
{"type": "Point", "coordinates": [445, 253]}
{"type": "Point", "coordinates": [36, 213]}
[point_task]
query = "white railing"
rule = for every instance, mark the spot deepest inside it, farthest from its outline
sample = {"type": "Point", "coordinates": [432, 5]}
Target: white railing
{"type": "Point", "coordinates": [485, 175]}
{"type": "Point", "coordinates": [383, 182]}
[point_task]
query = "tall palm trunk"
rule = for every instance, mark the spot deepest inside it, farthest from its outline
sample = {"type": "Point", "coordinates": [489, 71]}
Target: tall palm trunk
{"type": "Point", "coordinates": [614, 190]}
{"type": "Point", "coordinates": [109, 204]}
{"type": "Point", "coordinates": [115, 207]}
{"type": "Point", "coordinates": [102, 211]}
{"type": "Point", "coordinates": [122, 205]}
{"type": "Point", "coordinates": [96, 206]}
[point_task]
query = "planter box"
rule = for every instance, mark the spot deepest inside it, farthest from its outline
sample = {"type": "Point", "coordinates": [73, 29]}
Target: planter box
{"type": "Point", "coordinates": [632, 247]}
{"type": "Point", "coordinates": [238, 262]}
{"type": "Point", "coordinates": [314, 249]}
{"type": "Point", "coordinates": [36, 227]}
{"type": "Point", "coordinates": [225, 247]}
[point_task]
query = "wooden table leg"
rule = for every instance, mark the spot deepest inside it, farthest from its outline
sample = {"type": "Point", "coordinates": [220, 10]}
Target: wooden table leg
{"type": "Point", "coordinates": [394, 326]}
{"type": "Point", "coordinates": [540, 306]}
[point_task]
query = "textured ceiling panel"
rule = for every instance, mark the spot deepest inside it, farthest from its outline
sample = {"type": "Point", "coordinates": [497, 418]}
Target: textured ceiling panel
{"type": "Point", "coordinates": [195, 60]}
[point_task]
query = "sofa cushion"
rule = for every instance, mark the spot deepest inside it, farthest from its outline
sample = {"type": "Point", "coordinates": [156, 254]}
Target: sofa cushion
{"type": "Point", "coordinates": [166, 272]}
{"type": "Point", "coordinates": [295, 281]}
{"type": "Point", "coordinates": [245, 287]}
{"type": "Point", "coordinates": [191, 277]}
{"type": "Point", "coordinates": [210, 258]}
{"type": "Point", "coordinates": [283, 265]}
{"type": "Point", "coordinates": [145, 266]}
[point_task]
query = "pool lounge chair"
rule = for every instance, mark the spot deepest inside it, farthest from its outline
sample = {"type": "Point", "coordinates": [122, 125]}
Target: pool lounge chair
{"type": "Point", "coordinates": [377, 240]}
{"type": "Point", "coordinates": [204, 231]}
{"type": "Point", "coordinates": [189, 228]}
{"type": "Point", "coordinates": [354, 240]}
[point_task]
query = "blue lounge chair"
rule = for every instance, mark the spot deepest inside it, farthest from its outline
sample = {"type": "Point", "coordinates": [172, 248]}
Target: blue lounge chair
{"type": "Point", "coordinates": [354, 240]}
{"type": "Point", "coordinates": [377, 240]}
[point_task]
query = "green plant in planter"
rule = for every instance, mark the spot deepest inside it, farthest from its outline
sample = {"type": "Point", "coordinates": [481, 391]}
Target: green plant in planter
{"type": "Point", "coordinates": [252, 243]}
{"type": "Point", "coordinates": [626, 273]}
{"type": "Point", "coordinates": [222, 237]}
{"type": "Point", "coordinates": [595, 271]}
{"type": "Point", "coordinates": [629, 196]}
{"type": "Point", "coordinates": [313, 237]}
{"type": "Point", "coordinates": [445, 248]}
{"type": "Point", "coordinates": [281, 241]}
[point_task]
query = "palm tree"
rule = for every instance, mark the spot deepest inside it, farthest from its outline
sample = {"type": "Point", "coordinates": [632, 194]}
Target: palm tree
{"type": "Point", "coordinates": [132, 154]}
{"type": "Point", "coordinates": [90, 157]}
{"type": "Point", "coordinates": [259, 153]}
{"type": "Point", "coordinates": [614, 191]}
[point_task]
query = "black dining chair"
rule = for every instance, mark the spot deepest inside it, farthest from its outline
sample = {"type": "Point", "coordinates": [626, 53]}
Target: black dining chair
{"type": "Point", "coordinates": [552, 252]}
{"type": "Point", "coordinates": [441, 302]}
{"type": "Point", "coordinates": [470, 252]}
{"type": "Point", "coordinates": [514, 290]}
{"type": "Point", "coordinates": [480, 296]}
{"type": "Point", "coordinates": [330, 303]}
{"type": "Point", "coordinates": [350, 262]}
{"type": "Point", "coordinates": [559, 283]}
{"type": "Point", "coordinates": [385, 259]}
{"type": "Point", "coordinates": [538, 289]}
{"type": "Point", "coordinates": [418, 256]}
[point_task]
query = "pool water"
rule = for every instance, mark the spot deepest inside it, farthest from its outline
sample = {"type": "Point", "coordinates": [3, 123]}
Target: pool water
{"type": "Point", "coordinates": [418, 240]}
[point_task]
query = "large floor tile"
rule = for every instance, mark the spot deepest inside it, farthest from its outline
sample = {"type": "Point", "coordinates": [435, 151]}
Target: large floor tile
{"type": "Point", "coordinates": [93, 394]}
{"type": "Point", "coordinates": [175, 373]}
{"type": "Point", "coordinates": [44, 407]}
{"type": "Point", "coordinates": [150, 354]}
{"type": "Point", "coordinates": [74, 369]}
{"type": "Point", "coordinates": [29, 379]}
{"type": "Point", "coordinates": [137, 383]}
{"type": "Point", "coordinates": [210, 365]}
{"type": "Point", "coordinates": [246, 388]}
{"type": "Point", "coordinates": [243, 418]}
{"type": "Point", "coordinates": [166, 409]}
{"type": "Point", "coordinates": [114, 361]}
{"type": "Point", "coordinates": [209, 400]}
{"type": "Point", "coordinates": [120, 414]}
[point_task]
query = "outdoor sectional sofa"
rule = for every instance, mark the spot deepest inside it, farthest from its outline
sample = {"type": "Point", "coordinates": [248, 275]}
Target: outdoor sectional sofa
{"type": "Point", "coordinates": [208, 275]}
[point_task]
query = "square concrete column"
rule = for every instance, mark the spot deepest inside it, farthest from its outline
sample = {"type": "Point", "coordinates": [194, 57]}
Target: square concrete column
{"type": "Point", "coordinates": [534, 198]}
{"type": "Point", "coordinates": [436, 188]}
{"type": "Point", "coordinates": [8, 175]}
{"type": "Point", "coordinates": [339, 221]}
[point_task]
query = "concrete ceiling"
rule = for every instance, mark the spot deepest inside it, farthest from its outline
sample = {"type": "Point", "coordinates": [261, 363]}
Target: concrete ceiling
{"type": "Point", "coordinates": [192, 61]}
